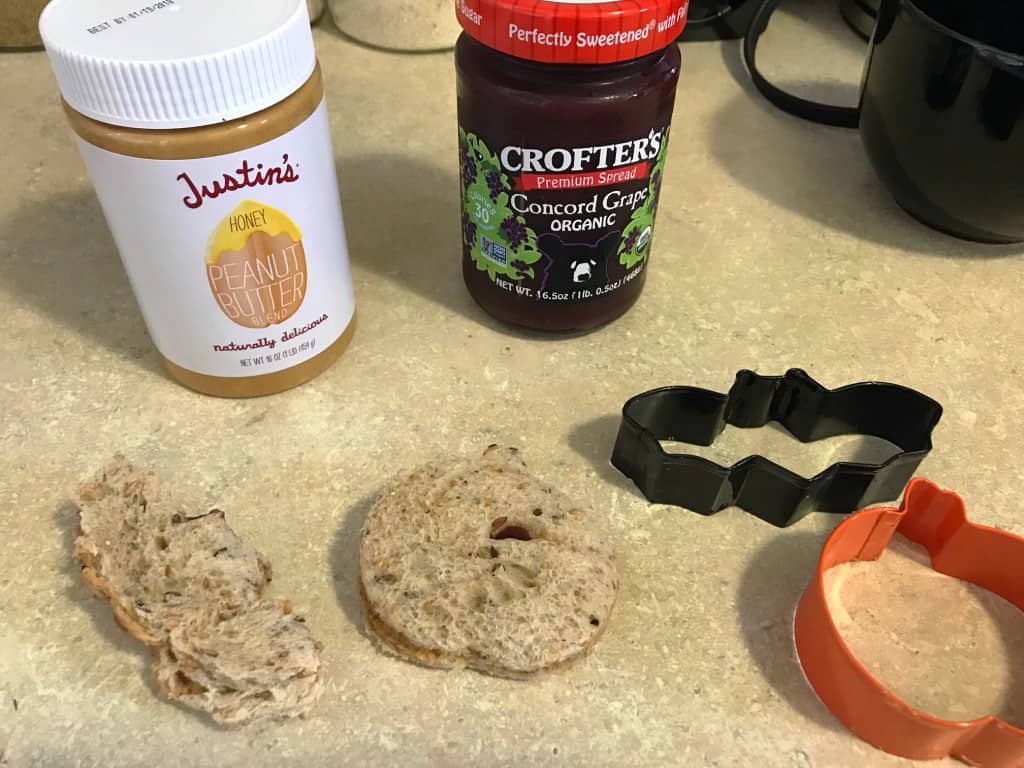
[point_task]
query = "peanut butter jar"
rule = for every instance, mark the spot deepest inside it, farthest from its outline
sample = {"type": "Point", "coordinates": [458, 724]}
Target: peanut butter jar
{"type": "Point", "coordinates": [205, 132]}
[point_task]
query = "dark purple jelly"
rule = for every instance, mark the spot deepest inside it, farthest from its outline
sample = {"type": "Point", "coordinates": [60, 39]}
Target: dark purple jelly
{"type": "Point", "coordinates": [560, 170]}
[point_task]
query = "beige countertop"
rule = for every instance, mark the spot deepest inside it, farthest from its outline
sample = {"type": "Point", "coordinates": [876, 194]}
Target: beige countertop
{"type": "Point", "coordinates": [776, 246]}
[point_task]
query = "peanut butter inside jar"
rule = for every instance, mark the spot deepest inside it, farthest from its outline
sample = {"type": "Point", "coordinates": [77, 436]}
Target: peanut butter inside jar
{"type": "Point", "coordinates": [212, 158]}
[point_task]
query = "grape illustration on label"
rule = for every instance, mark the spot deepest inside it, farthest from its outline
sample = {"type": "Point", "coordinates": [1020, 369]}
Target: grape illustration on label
{"type": "Point", "coordinates": [636, 237]}
{"type": "Point", "coordinates": [496, 237]}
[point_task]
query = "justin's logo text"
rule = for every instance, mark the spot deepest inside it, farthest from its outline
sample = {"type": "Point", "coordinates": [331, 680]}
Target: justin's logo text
{"type": "Point", "coordinates": [243, 177]}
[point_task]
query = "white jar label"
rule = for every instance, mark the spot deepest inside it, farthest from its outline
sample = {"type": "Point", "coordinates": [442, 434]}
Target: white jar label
{"type": "Point", "coordinates": [239, 261]}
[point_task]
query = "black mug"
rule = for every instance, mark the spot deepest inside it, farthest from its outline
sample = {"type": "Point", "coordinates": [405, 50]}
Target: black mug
{"type": "Point", "coordinates": [941, 111]}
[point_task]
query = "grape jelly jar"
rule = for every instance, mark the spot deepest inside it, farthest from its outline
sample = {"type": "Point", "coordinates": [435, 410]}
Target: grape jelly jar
{"type": "Point", "coordinates": [564, 112]}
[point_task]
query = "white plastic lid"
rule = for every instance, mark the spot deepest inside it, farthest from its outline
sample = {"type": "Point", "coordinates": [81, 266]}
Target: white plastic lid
{"type": "Point", "coordinates": [177, 63]}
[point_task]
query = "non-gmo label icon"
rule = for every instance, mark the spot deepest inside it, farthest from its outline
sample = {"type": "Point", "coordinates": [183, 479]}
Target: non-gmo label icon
{"type": "Point", "coordinates": [494, 251]}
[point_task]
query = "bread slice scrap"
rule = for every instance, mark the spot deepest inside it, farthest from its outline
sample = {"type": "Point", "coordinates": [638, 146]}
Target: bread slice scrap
{"type": "Point", "coordinates": [180, 580]}
{"type": "Point", "coordinates": [478, 564]}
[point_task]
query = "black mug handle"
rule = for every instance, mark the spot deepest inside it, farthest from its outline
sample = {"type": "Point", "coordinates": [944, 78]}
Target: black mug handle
{"type": "Point", "coordinates": [826, 114]}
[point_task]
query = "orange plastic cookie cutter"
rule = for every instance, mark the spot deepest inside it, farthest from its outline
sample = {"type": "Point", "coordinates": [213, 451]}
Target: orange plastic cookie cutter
{"type": "Point", "coordinates": [989, 558]}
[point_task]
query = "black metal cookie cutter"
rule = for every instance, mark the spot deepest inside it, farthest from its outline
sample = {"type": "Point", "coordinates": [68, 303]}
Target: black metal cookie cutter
{"type": "Point", "coordinates": [766, 490]}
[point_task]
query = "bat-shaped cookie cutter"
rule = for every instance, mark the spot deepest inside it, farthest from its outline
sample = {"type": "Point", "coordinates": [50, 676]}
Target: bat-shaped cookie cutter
{"type": "Point", "coordinates": [987, 557]}
{"type": "Point", "coordinates": [763, 488]}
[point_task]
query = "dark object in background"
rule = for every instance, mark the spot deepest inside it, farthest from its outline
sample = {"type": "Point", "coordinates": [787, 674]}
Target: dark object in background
{"type": "Point", "coordinates": [730, 19]}
{"type": "Point", "coordinates": [807, 410]}
{"type": "Point", "coordinates": [860, 15]}
{"type": "Point", "coordinates": [940, 113]}
{"type": "Point", "coordinates": [718, 19]}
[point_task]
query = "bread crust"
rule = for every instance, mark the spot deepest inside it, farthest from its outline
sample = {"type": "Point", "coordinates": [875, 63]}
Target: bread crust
{"type": "Point", "coordinates": [427, 657]}
{"type": "Point", "coordinates": [217, 644]}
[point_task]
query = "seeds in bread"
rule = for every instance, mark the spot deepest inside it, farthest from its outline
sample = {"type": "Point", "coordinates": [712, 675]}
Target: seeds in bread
{"type": "Point", "coordinates": [182, 582]}
{"type": "Point", "coordinates": [258, 664]}
{"type": "Point", "coordinates": [478, 564]}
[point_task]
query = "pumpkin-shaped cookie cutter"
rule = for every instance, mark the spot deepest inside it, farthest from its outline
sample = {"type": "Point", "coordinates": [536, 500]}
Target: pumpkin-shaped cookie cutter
{"type": "Point", "coordinates": [986, 557]}
{"type": "Point", "coordinates": [801, 405]}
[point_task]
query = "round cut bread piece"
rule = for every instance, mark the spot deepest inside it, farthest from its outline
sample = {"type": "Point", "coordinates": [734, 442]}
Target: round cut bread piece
{"type": "Point", "coordinates": [478, 564]}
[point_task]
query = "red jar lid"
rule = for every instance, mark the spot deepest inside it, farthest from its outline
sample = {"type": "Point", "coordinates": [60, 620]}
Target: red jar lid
{"type": "Point", "coordinates": [574, 31]}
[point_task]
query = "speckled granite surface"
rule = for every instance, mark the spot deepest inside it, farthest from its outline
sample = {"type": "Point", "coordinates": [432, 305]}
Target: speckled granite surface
{"type": "Point", "coordinates": [776, 246]}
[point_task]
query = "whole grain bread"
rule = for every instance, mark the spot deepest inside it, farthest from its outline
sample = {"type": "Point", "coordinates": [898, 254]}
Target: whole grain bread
{"type": "Point", "coordinates": [180, 580]}
{"type": "Point", "coordinates": [478, 564]}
